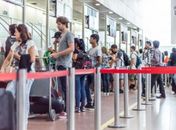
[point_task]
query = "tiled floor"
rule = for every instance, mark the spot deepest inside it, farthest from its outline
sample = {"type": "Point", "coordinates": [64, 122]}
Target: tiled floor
{"type": "Point", "coordinates": [161, 115]}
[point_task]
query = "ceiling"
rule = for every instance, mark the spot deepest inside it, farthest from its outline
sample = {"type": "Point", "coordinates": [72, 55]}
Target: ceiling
{"type": "Point", "coordinates": [77, 13]}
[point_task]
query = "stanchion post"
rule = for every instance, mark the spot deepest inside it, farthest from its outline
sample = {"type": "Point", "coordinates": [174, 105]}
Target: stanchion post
{"type": "Point", "coordinates": [139, 93]}
{"type": "Point", "coordinates": [71, 107]}
{"type": "Point", "coordinates": [147, 91]}
{"type": "Point", "coordinates": [151, 93]}
{"type": "Point", "coordinates": [21, 100]}
{"type": "Point", "coordinates": [97, 82]}
{"type": "Point", "coordinates": [126, 99]}
{"type": "Point", "coordinates": [116, 103]}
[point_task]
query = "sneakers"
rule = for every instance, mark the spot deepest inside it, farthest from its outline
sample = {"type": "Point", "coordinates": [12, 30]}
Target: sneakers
{"type": "Point", "coordinates": [161, 96]}
{"type": "Point", "coordinates": [77, 110]}
{"type": "Point", "coordinates": [120, 91]}
{"type": "Point", "coordinates": [89, 106]}
{"type": "Point", "coordinates": [82, 109]}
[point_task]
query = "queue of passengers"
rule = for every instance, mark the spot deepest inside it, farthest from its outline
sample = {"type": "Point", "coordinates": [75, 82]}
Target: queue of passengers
{"type": "Point", "coordinates": [70, 52]}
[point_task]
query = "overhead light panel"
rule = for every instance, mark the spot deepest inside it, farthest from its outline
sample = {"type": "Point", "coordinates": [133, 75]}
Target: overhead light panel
{"type": "Point", "coordinates": [120, 18]}
{"type": "Point", "coordinates": [128, 23]}
{"type": "Point", "coordinates": [110, 12]}
{"type": "Point", "coordinates": [97, 4]}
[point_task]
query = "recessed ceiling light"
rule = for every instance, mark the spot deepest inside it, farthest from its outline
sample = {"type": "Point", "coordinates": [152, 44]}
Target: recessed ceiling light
{"type": "Point", "coordinates": [120, 18]}
{"type": "Point", "coordinates": [97, 4]}
{"type": "Point", "coordinates": [110, 12]}
{"type": "Point", "coordinates": [34, 3]}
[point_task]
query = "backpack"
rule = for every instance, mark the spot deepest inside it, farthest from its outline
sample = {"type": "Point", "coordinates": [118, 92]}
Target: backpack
{"type": "Point", "coordinates": [138, 60]}
{"type": "Point", "coordinates": [125, 58]}
{"type": "Point", "coordinates": [172, 61]}
{"type": "Point", "coordinates": [83, 61]}
{"type": "Point", "coordinates": [155, 57]}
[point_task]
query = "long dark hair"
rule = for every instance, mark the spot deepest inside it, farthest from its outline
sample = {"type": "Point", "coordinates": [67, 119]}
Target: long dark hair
{"type": "Point", "coordinates": [24, 34]}
{"type": "Point", "coordinates": [80, 43]}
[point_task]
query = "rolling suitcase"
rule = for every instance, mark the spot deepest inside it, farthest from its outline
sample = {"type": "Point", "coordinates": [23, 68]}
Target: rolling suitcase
{"type": "Point", "coordinates": [7, 111]}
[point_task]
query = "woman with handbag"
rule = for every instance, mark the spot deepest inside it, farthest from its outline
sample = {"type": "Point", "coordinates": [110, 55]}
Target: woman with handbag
{"type": "Point", "coordinates": [23, 46]}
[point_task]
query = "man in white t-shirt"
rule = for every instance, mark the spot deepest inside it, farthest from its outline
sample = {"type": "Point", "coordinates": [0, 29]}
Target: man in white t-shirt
{"type": "Point", "coordinates": [95, 54]}
{"type": "Point", "coordinates": [133, 59]}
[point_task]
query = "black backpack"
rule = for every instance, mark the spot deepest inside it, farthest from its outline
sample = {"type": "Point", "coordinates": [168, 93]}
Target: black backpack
{"type": "Point", "coordinates": [83, 61]}
{"type": "Point", "coordinates": [125, 58]}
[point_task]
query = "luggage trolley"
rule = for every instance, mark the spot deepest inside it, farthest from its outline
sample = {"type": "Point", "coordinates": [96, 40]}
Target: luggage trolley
{"type": "Point", "coordinates": [42, 88]}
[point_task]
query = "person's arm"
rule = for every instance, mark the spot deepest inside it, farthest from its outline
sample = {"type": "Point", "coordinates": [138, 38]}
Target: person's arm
{"type": "Point", "coordinates": [133, 59]}
{"type": "Point", "coordinates": [70, 49]}
{"type": "Point", "coordinates": [32, 54]}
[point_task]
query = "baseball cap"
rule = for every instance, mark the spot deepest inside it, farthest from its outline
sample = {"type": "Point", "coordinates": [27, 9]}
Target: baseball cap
{"type": "Point", "coordinates": [57, 35]}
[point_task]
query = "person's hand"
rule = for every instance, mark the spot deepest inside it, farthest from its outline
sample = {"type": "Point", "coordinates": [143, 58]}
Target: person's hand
{"type": "Point", "coordinates": [54, 55]}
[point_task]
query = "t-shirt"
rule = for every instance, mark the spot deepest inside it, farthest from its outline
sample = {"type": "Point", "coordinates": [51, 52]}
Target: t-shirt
{"type": "Point", "coordinates": [22, 50]}
{"type": "Point", "coordinates": [105, 61]}
{"type": "Point", "coordinates": [94, 53]}
{"type": "Point", "coordinates": [134, 56]}
{"type": "Point", "coordinates": [66, 60]}
{"type": "Point", "coordinates": [9, 42]}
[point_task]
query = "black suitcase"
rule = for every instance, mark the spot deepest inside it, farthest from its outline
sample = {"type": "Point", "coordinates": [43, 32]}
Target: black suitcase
{"type": "Point", "coordinates": [7, 111]}
{"type": "Point", "coordinates": [40, 105]}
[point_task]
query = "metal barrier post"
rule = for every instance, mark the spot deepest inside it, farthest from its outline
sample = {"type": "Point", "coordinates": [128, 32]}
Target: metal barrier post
{"type": "Point", "coordinates": [139, 93]}
{"type": "Point", "coordinates": [126, 99]}
{"type": "Point", "coordinates": [71, 107]}
{"type": "Point", "coordinates": [97, 82]}
{"type": "Point", "coordinates": [151, 92]}
{"type": "Point", "coordinates": [116, 103]}
{"type": "Point", "coordinates": [21, 100]}
{"type": "Point", "coordinates": [147, 91]}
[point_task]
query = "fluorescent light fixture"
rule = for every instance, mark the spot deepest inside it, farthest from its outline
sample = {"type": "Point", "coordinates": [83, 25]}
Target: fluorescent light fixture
{"type": "Point", "coordinates": [97, 4]}
{"type": "Point", "coordinates": [128, 23]}
{"type": "Point", "coordinates": [110, 12]}
{"type": "Point", "coordinates": [120, 18]}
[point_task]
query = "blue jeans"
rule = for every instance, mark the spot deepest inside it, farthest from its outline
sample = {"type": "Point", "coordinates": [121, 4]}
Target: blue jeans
{"type": "Point", "coordinates": [80, 90]}
{"type": "Point", "coordinates": [89, 80]}
{"type": "Point", "coordinates": [63, 82]}
{"type": "Point", "coordinates": [105, 82]}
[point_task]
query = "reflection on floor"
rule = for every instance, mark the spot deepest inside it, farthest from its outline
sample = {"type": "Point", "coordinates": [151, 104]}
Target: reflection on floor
{"type": "Point", "coordinates": [161, 115]}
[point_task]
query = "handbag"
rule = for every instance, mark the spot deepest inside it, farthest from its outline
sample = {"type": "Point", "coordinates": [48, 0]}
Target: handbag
{"type": "Point", "coordinates": [8, 68]}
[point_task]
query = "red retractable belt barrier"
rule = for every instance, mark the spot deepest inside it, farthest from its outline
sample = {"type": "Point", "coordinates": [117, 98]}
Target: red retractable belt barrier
{"type": "Point", "coordinates": [84, 71]}
{"type": "Point", "coordinates": [42, 75]}
{"type": "Point", "coordinates": [7, 76]}
{"type": "Point", "coordinates": [128, 71]}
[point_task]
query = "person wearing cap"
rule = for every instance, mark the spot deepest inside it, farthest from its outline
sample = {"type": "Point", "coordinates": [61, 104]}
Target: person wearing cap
{"type": "Point", "coordinates": [65, 50]}
{"type": "Point", "coordinates": [57, 37]}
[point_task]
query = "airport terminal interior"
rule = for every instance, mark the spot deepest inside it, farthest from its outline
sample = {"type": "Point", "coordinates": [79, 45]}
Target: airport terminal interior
{"type": "Point", "coordinates": [93, 64]}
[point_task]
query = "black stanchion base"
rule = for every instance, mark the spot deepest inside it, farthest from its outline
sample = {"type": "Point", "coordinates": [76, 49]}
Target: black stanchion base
{"type": "Point", "coordinates": [116, 126]}
{"type": "Point", "coordinates": [127, 117]}
{"type": "Point", "coordinates": [136, 109]}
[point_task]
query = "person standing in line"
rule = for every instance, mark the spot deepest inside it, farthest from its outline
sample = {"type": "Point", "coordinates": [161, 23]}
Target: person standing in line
{"type": "Point", "coordinates": [56, 37]}
{"type": "Point", "coordinates": [156, 61]}
{"type": "Point", "coordinates": [23, 46]}
{"type": "Point", "coordinates": [10, 39]}
{"type": "Point", "coordinates": [65, 50]}
{"type": "Point", "coordinates": [95, 55]}
{"type": "Point", "coordinates": [146, 62]}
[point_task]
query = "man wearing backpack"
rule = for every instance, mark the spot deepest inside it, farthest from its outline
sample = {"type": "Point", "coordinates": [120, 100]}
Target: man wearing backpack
{"type": "Point", "coordinates": [156, 61]}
